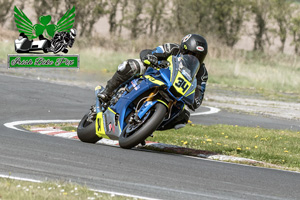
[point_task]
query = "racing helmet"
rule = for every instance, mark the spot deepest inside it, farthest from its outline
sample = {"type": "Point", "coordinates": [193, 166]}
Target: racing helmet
{"type": "Point", "coordinates": [73, 33]}
{"type": "Point", "coordinates": [195, 45]}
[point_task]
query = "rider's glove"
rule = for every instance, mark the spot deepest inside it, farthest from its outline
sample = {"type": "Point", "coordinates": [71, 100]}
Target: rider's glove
{"type": "Point", "coordinates": [196, 104]}
{"type": "Point", "coordinates": [150, 59]}
{"type": "Point", "coordinates": [164, 64]}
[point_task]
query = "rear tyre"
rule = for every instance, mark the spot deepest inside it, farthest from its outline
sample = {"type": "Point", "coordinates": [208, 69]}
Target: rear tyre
{"type": "Point", "coordinates": [86, 131]}
{"type": "Point", "coordinates": [133, 134]}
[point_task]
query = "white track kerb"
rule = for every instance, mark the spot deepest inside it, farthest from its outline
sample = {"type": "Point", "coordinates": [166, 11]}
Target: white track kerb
{"type": "Point", "coordinates": [13, 125]}
{"type": "Point", "coordinates": [212, 110]}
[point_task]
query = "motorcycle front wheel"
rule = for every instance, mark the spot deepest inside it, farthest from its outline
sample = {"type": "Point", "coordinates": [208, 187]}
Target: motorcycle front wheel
{"type": "Point", "coordinates": [133, 134]}
{"type": "Point", "coordinates": [86, 131]}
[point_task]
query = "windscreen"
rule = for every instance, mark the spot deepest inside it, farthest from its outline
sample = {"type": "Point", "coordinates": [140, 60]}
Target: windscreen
{"type": "Point", "coordinates": [189, 66]}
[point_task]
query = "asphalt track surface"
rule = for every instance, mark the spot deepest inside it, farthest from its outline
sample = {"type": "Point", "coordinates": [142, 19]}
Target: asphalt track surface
{"type": "Point", "coordinates": [137, 172]}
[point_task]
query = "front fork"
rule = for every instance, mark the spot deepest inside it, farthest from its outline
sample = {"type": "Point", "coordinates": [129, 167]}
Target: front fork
{"type": "Point", "coordinates": [148, 104]}
{"type": "Point", "coordinates": [95, 108]}
{"type": "Point", "coordinates": [92, 114]}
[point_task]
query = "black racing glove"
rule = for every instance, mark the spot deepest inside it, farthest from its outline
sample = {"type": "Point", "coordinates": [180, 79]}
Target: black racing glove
{"type": "Point", "coordinates": [164, 64]}
{"type": "Point", "coordinates": [150, 59]}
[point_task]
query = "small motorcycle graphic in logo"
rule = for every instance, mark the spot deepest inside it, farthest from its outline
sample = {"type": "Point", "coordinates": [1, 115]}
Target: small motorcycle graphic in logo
{"type": "Point", "coordinates": [58, 37]}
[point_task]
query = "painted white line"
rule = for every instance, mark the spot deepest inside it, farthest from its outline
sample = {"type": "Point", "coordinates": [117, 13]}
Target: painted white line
{"type": "Point", "coordinates": [19, 178]}
{"type": "Point", "coordinates": [100, 191]}
{"type": "Point", "coordinates": [108, 142]}
{"type": "Point", "coordinates": [17, 123]}
{"type": "Point", "coordinates": [212, 110]}
{"type": "Point", "coordinates": [123, 194]}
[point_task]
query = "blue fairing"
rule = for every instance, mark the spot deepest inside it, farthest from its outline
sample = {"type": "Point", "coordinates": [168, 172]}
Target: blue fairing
{"type": "Point", "coordinates": [145, 108]}
{"type": "Point", "coordinates": [151, 71]}
{"type": "Point", "coordinates": [124, 105]}
{"type": "Point", "coordinates": [165, 75]}
{"type": "Point", "coordinates": [189, 99]}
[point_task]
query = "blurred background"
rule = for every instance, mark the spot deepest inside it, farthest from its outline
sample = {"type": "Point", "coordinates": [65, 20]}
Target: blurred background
{"type": "Point", "coordinates": [254, 45]}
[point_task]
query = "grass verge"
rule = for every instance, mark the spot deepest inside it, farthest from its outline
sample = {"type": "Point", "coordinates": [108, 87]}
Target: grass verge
{"type": "Point", "coordinates": [275, 148]}
{"type": "Point", "coordinates": [11, 189]}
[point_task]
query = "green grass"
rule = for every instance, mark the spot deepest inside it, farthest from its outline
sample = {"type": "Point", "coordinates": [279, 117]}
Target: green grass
{"type": "Point", "coordinates": [5, 49]}
{"type": "Point", "coordinates": [18, 190]}
{"type": "Point", "coordinates": [274, 77]}
{"type": "Point", "coordinates": [69, 128]}
{"type": "Point", "coordinates": [279, 147]}
{"type": "Point", "coordinates": [95, 60]}
{"type": "Point", "coordinates": [63, 126]}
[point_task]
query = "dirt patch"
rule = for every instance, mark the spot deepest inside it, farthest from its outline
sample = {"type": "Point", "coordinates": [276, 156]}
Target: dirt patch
{"type": "Point", "coordinates": [286, 110]}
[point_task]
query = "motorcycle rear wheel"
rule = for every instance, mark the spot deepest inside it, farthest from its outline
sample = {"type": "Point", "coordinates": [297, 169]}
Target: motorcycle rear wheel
{"type": "Point", "coordinates": [86, 131]}
{"type": "Point", "coordinates": [133, 135]}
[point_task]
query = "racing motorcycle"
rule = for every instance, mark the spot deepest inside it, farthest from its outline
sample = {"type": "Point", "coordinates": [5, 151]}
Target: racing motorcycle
{"type": "Point", "coordinates": [143, 104]}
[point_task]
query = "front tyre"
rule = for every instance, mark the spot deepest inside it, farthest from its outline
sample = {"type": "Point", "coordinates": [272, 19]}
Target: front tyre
{"type": "Point", "coordinates": [132, 135]}
{"type": "Point", "coordinates": [86, 131]}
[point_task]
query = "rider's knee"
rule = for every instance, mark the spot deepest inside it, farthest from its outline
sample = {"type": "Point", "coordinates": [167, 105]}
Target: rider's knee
{"type": "Point", "coordinates": [124, 68]}
{"type": "Point", "coordinates": [131, 67]}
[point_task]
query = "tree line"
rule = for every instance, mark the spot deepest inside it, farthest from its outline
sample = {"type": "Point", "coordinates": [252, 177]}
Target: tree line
{"type": "Point", "coordinates": [226, 20]}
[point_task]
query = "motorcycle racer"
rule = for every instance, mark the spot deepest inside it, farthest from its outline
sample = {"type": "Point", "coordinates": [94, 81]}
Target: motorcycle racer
{"type": "Point", "coordinates": [192, 44]}
{"type": "Point", "coordinates": [62, 40]}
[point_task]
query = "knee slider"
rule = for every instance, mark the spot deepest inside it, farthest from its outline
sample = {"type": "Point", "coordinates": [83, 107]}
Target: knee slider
{"type": "Point", "coordinates": [131, 67]}
{"type": "Point", "coordinates": [138, 66]}
{"type": "Point", "coordinates": [135, 66]}
{"type": "Point", "coordinates": [124, 68]}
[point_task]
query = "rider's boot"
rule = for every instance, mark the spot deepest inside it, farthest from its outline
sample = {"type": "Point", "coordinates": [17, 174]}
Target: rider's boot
{"type": "Point", "coordinates": [105, 95]}
{"type": "Point", "coordinates": [112, 84]}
